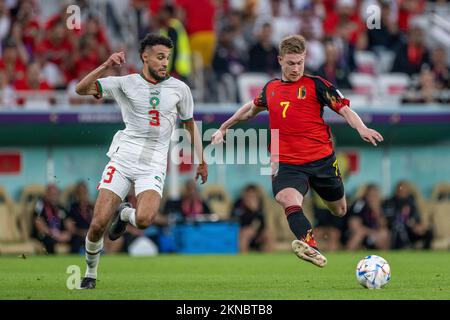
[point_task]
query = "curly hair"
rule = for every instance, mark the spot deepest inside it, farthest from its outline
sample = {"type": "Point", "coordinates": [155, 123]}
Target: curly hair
{"type": "Point", "coordinates": [152, 39]}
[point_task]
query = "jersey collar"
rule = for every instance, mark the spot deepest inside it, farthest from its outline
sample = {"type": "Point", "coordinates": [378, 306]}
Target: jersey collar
{"type": "Point", "coordinates": [285, 81]}
{"type": "Point", "coordinates": [153, 82]}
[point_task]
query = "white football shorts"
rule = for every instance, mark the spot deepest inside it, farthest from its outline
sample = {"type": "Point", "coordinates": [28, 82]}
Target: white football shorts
{"type": "Point", "coordinates": [119, 180]}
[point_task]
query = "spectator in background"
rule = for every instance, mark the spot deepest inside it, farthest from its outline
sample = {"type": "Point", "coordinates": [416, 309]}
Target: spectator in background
{"type": "Point", "coordinates": [344, 22]}
{"type": "Point", "coordinates": [263, 55]}
{"type": "Point", "coordinates": [144, 12]}
{"type": "Point", "coordinates": [332, 69]}
{"type": "Point", "coordinates": [427, 90]}
{"type": "Point", "coordinates": [89, 55]}
{"type": "Point", "coordinates": [281, 16]}
{"type": "Point", "coordinates": [234, 19]}
{"type": "Point", "coordinates": [31, 29]}
{"type": "Point", "coordinates": [190, 207]}
{"type": "Point", "coordinates": [80, 215]}
{"type": "Point", "coordinates": [93, 27]}
{"type": "Point", "coordinates": [58, 49]}
{"type": "Point", "coordinates": [407, 10]}
{"type": "Point", "coordinates": [367, 222]}
{"type": "Point", "coordinates": [199, 18]}
{"type": "Point", "coordinates": [5, 21]}
{"type": "Point", "coordinates": [440, 68]}
{"type": "Point", "coordinates": [50, 224]}
{"type": "Point", "coordinates": [7, 94]}
{"type": "Point", "coordinates": [228, 65]}
{"type": "Point", "coordinates": [404, 219]}
{"type": "Point", "coordinates": [33, 82]}
{"type": "Point", "coordinates": [51, 72]}
{"type": "Point", "coordinates": [311, 19]}
{"type": "Point", "coordinates": [387, 37]}
{"type": "Point", "coordinates": [311, 27]}
{"type": "Point", "coordinates": [315, 56]}
{"type": "Point", "coordinates": [180, 60]}
{"type": "Point", "coordinates": [248, 212]}
{"type": "Point", "coordinates": [345, 27]}
{"type": "Point", "coordinates": [411, 56]}
{"type": "Point", "coordinates": [13, 61]}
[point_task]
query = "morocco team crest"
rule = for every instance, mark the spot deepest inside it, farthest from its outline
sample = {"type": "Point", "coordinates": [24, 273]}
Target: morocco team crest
{"type": "Point", "coordinates": [154, 101]}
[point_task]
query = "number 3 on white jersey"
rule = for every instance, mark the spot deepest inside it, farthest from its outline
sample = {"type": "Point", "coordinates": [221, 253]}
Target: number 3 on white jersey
{"type": "Point", "coordinates": [154, 121]}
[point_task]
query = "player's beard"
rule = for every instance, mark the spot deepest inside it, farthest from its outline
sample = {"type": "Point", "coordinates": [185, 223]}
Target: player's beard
{"type": "Point", "coordinates": [155, 74]}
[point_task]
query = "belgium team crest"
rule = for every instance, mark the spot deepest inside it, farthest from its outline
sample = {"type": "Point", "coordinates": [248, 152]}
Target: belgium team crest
{"type": "Point", "coordinates": [301, 94]}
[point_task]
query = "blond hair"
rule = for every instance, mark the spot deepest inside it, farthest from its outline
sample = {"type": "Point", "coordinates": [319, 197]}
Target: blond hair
{"type": "Point", "coordinates": [292, 44]}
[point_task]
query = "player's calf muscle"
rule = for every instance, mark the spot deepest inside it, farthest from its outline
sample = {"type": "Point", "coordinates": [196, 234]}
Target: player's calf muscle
{"type": "Point", "coordinates": [105, 206]}
{"type": "Point", "coordinates": [96, 231]}
{"type": "Point", "coordinates": [147, 208]}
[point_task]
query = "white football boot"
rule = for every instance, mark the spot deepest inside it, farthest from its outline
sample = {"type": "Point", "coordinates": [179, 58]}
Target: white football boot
{"type": "Point", "coordinates": [307, 253]}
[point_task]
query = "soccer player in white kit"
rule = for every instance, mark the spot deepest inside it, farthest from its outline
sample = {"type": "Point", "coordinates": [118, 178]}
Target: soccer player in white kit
{"type": "Point", "coordinates": [150, 103]}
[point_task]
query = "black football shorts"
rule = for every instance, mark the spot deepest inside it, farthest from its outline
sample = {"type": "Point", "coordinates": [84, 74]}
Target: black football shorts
{"type": "Point", "coordinates": [322, 175]}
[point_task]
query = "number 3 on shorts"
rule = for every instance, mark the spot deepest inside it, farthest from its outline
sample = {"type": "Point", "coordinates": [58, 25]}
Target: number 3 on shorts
{"type": "Point", "coordinates": [109, 174]}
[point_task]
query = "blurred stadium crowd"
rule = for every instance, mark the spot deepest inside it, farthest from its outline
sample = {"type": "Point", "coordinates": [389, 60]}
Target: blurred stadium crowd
{"type": "Point", "coordinates": [46, 220]}
{"type": "Point", "coordinates": [220, 44]}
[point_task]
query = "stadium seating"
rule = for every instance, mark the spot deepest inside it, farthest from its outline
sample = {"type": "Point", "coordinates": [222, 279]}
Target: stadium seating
{"type": "Point", "coordinates": [421, 202]}
{"type": "Point", "coordinates": [356, 100]}
{"type": "Point", "coordinates": [250, 85]}
{"type": "Point", "coordinates": [385, 60]}
{"type": "Point", "coordinates": [441, 191]}
{"type": "Point", "coordinates": [28, 198]}
{"type": "Point", "coordinates": [363, 84]}
{"type": "Point", "coordinates": [218, 200]}
{"type": "Point", "coordinates": [392, 86]}
{"type": "Point", "coordinates": [11, 237]}
{"type": "Point", "coordinates": [366, 62]}
{"type": "Point", "coordinates": [440, 216]}
{"type": "Point", "coordinates": [68, 195]}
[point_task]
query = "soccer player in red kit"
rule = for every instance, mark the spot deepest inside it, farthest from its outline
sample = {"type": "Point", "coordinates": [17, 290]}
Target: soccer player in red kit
{"type": "Point", "coordinates": [306, 156]}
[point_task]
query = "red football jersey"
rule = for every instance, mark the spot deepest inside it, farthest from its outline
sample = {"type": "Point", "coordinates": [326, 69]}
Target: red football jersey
{"type": "Point", "coordinates": [296, 110]}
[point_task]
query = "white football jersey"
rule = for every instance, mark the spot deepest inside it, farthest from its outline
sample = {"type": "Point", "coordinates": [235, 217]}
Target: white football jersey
{"type": "Point", "coordinates": [149, 111]}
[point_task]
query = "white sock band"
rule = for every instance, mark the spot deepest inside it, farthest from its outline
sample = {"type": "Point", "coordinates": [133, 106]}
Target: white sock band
{"type": "Point", "coordinates": [129, 215]}
{"type": "Point", "coordinates": [93, 250]}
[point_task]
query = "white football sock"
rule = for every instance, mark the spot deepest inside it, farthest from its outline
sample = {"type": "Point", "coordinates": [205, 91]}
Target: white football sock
{"type": "Point", "coordinates": [128, 215]}
{"type": "Point", "coordinates": [93, 250]}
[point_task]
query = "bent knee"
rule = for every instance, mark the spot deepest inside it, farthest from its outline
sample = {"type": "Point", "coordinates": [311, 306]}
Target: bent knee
{"type": "Point", "coordinates": [340, 210]}
{"type": "Point", "coordinates": [287, 198]}
{"type": "Point", "coordinates": [144, 221]}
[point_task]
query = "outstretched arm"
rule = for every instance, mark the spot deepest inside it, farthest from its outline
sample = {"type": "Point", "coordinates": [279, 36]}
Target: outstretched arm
{"type": "Point", "coordinates": [246, 112]}
{"type": "Point", "coordinates": [87, 86]}
{"type": "Point", "coordinates": [355, 122]}
{"type": "Point", "coordinates": [196, 142]}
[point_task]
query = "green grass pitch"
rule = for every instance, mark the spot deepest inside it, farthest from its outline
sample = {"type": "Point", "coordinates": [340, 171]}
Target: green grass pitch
{"type": "Point", "coordinates": [415, 275]}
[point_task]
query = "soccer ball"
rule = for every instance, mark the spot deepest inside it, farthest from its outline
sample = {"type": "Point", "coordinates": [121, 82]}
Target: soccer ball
{"type": "Point", "coordinates": [373, 272]}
